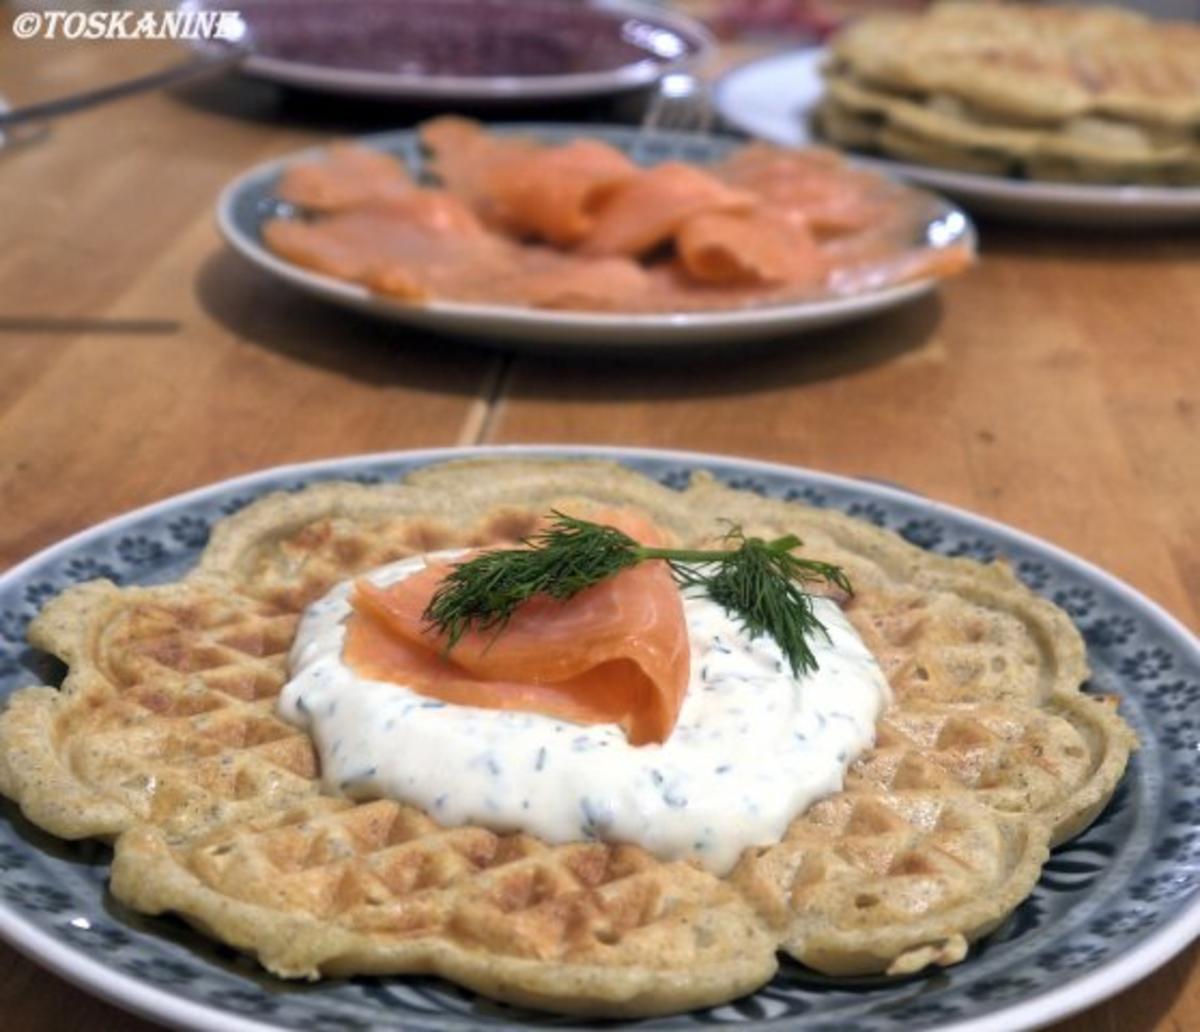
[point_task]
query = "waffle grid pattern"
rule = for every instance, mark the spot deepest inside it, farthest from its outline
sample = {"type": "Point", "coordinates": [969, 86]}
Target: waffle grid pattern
{"type": "Point", "coordinates": [166, 725]}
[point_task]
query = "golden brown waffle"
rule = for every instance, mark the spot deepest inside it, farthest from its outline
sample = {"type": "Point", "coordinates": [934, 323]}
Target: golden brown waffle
{"type": "Point", "coordinates": [168, 716]}
{"type": "Point", "coordinates": [377, 887]}
{"type": "Point", "coordinates": [164, 737]}
{"type": "Point", "coordinates": [1034, 64]}
{"type": "Point", "coordinates": [1087, 94]}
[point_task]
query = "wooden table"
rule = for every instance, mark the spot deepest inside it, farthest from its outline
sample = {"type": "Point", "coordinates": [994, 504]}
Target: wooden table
{"type": "Point", "coordinates": [1054, 387]}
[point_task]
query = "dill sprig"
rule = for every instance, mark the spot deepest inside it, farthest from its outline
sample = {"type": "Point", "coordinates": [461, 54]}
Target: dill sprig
{"type": "Point", "coordinates": [760, 583]}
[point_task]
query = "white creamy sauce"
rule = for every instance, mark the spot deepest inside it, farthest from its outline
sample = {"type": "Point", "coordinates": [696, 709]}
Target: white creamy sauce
{"type": "Point", "coordinates": [753, 746]}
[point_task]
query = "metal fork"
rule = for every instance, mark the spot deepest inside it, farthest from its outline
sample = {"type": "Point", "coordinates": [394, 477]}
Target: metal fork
{"type": "Point", "coordinates": [679, 105]}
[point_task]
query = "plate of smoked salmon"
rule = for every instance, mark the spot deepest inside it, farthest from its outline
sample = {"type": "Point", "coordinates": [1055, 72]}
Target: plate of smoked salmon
{"type": "Point", "coordinates": [595, 236]}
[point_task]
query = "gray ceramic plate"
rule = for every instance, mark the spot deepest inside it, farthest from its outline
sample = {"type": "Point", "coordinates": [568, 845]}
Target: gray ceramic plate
{"type": "Point", "coordinates": [250, 200]}
{"type": "Point", "coordinates": [1111, 906]}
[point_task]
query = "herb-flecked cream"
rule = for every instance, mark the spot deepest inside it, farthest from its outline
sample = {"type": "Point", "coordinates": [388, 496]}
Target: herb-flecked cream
{"type": "Point", "coordinates": [753, 747]}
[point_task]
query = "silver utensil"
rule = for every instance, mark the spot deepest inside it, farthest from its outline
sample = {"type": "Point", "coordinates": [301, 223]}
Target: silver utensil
{"type": "Point", "coordinates": [18, 125]}
{"type": "Point", "coordinates": [680, 104]}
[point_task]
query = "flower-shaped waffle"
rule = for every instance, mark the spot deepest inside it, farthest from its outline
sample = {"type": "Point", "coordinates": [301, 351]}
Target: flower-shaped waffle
{"type": "Point", "coordinates": [164, 738]}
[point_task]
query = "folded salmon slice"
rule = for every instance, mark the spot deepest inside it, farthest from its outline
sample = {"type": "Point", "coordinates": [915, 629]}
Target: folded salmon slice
{"type": "Point", "coordinates": [757, 247]}
{"type": "Point", "coordinates": [555, 194]}
{"type": "Point", "coordinates": [524, 187]}
{"type": "Point", "coordinates": [464, 157]}
{"type": "Point", "coordinates": [615, 653]}
{"type": "Point", "coordinates": [646, 210]}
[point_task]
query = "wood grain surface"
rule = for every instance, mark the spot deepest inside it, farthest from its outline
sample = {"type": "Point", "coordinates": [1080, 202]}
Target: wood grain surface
{"type": "Point", "coordinates": [1054, 387]}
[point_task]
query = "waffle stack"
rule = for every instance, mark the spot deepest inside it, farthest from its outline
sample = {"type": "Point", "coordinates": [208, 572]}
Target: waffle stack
{"type": "Point", "coordinates": [1084, 94]}
{"type": "Point", "coordinates": [164, 739]}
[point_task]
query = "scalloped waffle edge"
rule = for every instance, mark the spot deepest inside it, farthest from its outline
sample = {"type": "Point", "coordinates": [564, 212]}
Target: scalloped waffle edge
{"type": "Point", "coordinates": [163, 738]}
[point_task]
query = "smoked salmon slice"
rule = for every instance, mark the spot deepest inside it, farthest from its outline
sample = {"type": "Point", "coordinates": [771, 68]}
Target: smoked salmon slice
{"type": "Point", "coordinates": [427, 244]}
{"type": "Point", "coordinates": [345, 176]}
{"type": "Point", "coordinates": [463, 156]}
{"type": "Point", "coordinates": [646, 210]}
{"type": "Point", "coordinates": [829, 195]}
{"type": "Point", "coordinates": [409, 246]}
{"type": "Point", "coordinates": [597, 283]}
{"type": "Point", "coordinates": [756, 247]}
{"type": "Point", "coordinates": [525, 188]}
{"type": "Point", "coordinates": [614, 653]}
{"type": "Point", "coordinates": [555, 194]}
{"type": "Point", "coordinates": [434, 211]}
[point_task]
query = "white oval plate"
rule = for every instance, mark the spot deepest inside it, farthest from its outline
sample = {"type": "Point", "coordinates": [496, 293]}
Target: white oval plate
{"type": "Point", "coordinates": [249, 200]}
{"type": "Point", "coordinates": [1113, 904]}
{"type": "Point", "coordinates": [774, 96]}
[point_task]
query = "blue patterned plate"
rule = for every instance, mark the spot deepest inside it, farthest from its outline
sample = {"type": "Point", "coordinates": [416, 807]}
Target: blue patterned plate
{"type": "Point", "coordinates": [1111, 906]}
{"type": "Point", "coordinates": [249, 201]}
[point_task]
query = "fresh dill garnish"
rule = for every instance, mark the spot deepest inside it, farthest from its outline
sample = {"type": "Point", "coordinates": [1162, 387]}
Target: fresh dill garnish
{"type": "Point", "coordinates": [760, 583]}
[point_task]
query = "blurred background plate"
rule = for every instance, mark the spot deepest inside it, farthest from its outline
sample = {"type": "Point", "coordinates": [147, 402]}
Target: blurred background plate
{"type": "Point", "coordinates": [249, 201]}
{"type": "Point", "coordinates": [468, 51]}
{"type": "Point", "coordinates": [773, 97]}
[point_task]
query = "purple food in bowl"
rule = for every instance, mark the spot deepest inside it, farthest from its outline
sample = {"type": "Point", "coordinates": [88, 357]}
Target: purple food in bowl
{"type": "Point", "coordinates": [466, 49]}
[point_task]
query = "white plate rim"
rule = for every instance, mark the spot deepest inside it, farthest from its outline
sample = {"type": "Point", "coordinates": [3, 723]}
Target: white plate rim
{"type": "Point", "coordinates": [133, 994]}
{"type": "Point", "coordinates": [1182, 200]}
